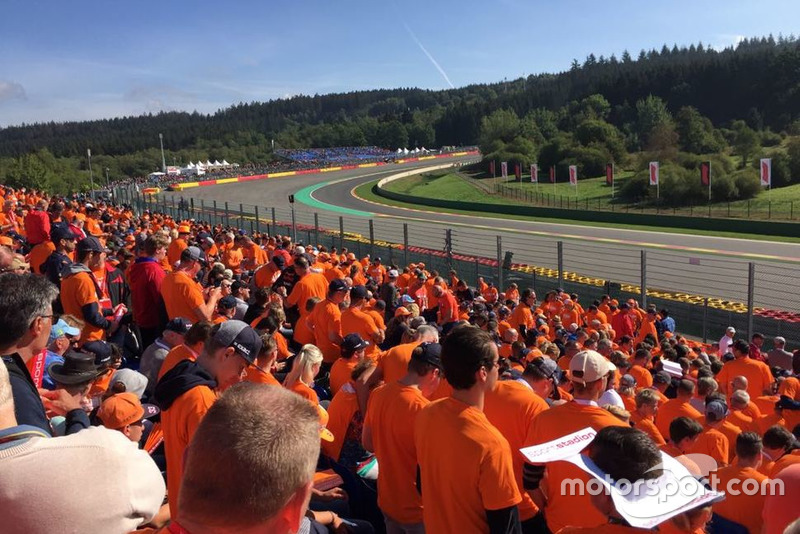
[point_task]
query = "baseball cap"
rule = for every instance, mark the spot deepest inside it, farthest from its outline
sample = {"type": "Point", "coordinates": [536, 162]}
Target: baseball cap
{"type": "Point", "coordinates": [401, 312]}
{"type": "Point", "coordinates": [227, 302]}
{"type": "Point", "coordinates": [192, 254]}
{"type": "Point", "coordinates": [178, 325]}
{"type": "Point", "coordinates": [627, 381]}
{"type": "Point", "coordinates": [61, 328]}
{"type": "Point", "coordinates": [718, 409]}
{"type": "Point", "coordinates": [324, 433]}
{"type": "Point", "coordinates": [100, 350]}
{"type": "Point", "coordinates": [133, 381]}
{"type": "Point", "coordinates": [124, 409]}
{"type": "Point", "coordinates": [407, 299]}
{"type": "Point", "coordinates": [184, 229]}
{"type": "Point", "coordinates": [393, 273]}
{"type": "Point", "coordinates": [279, 260]}
{"type": "Point", "coordinates": [547, 366]}
{"type": "Point", "coordinates": [358, 292]}
{"type": "Point", "coordinates": [59, 232]}
{"type": "Point", "coordinates": [353, 342]}
{"type": "Point", "coordinates": [91, 244]}
{"type": "Point", "coordinates": [241, 337]}
{"type": "Point", "coordinates": [588, 366]}
{"type": "Point", "coordinates": [299, 250]}
{"type": "Point", "coordinates": [337, 284]}
{"type": "Point", "coordinates": [430, 353]}
{"type": "Point", "coordinates": [662, 377]}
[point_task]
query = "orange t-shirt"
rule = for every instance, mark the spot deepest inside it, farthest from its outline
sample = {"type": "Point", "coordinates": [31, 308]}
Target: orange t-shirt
{"type": "Point", "coordinates": [783, 462]}
{"type": "Point", "coordinates": [175, 249]}
{"type": "Point", "coordinates": [311, 285]}
{"type": "Point", "coordinates": [343, 407]}
{"type": "Point", "coordinates": [39, 255]}
{"type": "Point", "coordinates": [78, 290]}
{"type": "Point", "coordinates": [175, 356]}
{"type": "Point", "coordinates": [737, 506]}
{"type": "Point", "coordinates": [232, 258]}
{"type": "Point", "coordinates": [671, 410]}
{"type": "Point", "coordinates": [554, 423]}
{"type": "Point", "coordinates": [340, 373]}
{"type": "Point", "coordinates": [465, 471]}
{"type": "Point", "coordinates": [714, 443]}
{"type": "Point", "coordinates": [394, 363]}
{"type": "Point", "coordinates": [180, 422]}
{"type": "Point", "coordinates": [646, 425]}
{"type": "Point", "coordinates": [326, 319]}
{"type": "Point", "coordinates": [182, 296]}
{"type": "Point", "coordinates": [759, 377]}
{"type": "Point", "coordinates": [260, 377]}
{"type": "Point", "coordinates": [643, 377]}
{"type": "Point", "coordinates": [390, 419]}
{"type": "Point", "coordinates": [511, 408]}
{"type": "Point", "coordinates": [304, 391]}
{"type": "Point", "coordinates": [522, 315]}
{"type": "Point", "coordinates": [361, 323]}
{"type": "Point", "coordinates": [790, 387]}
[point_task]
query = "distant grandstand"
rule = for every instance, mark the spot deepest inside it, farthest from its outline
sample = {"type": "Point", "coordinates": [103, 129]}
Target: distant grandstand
{"type": "Point", "coordinates": [337, 155]}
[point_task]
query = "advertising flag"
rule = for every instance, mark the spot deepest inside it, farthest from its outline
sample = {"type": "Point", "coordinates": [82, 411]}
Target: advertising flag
{"type": "Point", "coordinates": [518, 171]}
{"type": "Point", "coordinates": [653, 173]}
{"type": "Point", "coordinates": [504, 169]}
{"type": "Point", "coordinates": [534, 173]}
{"type": "Point", "coordinates": [553, 174]}
{"type": "Point", "coordinates": [609, 174]}
{"type": "Point", "coordinates": [705, 173]}
{"type": "Point", "coordinates": [766, 172]}
{"type": "Point", "coordinates": [573, 175]}
{"type": "Point", "coordinates": [491, 167]}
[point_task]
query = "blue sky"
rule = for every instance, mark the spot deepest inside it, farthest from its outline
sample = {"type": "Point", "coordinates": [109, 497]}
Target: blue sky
{"type": "Point", "coordinates": [87, 59]}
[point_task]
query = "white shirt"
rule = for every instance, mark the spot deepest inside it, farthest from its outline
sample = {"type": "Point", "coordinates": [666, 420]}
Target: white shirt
{"type": "Point", "coordinates": [724, 345]}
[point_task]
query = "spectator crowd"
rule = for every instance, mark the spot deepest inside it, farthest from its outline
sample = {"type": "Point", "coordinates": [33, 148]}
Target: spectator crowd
{"type": "Point", "coordinates": [175, 376]}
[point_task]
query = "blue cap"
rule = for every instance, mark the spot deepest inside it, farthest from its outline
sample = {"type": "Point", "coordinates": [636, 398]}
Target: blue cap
{"type": "Point", "coordinates": [60, 329]}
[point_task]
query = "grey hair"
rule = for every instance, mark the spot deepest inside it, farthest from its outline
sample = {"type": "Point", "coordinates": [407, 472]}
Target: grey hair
{"type": "Point", "coordinates": [23, 298]}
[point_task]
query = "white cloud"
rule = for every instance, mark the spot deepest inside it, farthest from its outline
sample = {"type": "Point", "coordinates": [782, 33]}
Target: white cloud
{"type": "Point", "coordinates": [724, 40]}
{"type": "Point", "coordinates": [11, 91]}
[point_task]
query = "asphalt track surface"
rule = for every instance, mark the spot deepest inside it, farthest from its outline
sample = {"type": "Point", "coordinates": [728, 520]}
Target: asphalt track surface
{"type": "Point", "coordinates": [716, 267]}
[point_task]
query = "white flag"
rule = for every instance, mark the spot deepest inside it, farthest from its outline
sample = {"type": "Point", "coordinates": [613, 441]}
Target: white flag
{"type": "Point", "coordinates": [653, 173]}
{"type": "Point", "coordinates": [573, 175]}
{"type": "Point", "coordinates": [534, 173]}
{"type": "Point", "coordinates": [504, 169]}
{"type": "Point", "coordinates": [766, 172]}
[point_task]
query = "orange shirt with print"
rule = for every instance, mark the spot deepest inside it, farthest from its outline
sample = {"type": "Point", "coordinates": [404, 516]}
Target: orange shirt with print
{"type": "Point", "coordinates": [175, 356]}
{"type": "Point", "coordinates": [394, 363]}
{"type": "Point", "coordinates": [327, 319]}
{"type": "Point", "coordinates": [340, 373]}
{"type": "Point", "coordinates": [511, 407]}
{"type": "Point", "coordinates": [391, 415]}
{"type": "Point", "coordinates": [77, 291]}
{"type": "Point", "coordinates": [646, 425]}
{"type": "Point", "coordinates": [180, 422]}
{"type": "Point", "coordinates": [355, 321]}
{"type": "Point", "coordinates": [182, 296]}
{"type": "Point", "coordinates": [465, 471]}
{"type": "Point", "coordinates": [554, 423]}
{"type": "Point", "coordinates": [737, 506]}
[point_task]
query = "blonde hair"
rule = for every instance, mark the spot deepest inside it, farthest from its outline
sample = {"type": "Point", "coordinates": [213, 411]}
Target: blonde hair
{"type": "Point", "coordinates": [306, 359]}
{"type": "Point", "coordinates": [620, 413]}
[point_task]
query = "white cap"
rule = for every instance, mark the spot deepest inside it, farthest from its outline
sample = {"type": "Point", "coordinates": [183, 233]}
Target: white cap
{"type": "Point", "coordinates": [731, 329]}
{"type": "Point", "coordinates": [299, 250]}
{"type": "Point", "coordinates": [588, 366]}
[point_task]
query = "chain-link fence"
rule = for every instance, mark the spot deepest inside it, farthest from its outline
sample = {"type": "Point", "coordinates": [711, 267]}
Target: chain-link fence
{"type": "Point", "coordinates": [703, 293]}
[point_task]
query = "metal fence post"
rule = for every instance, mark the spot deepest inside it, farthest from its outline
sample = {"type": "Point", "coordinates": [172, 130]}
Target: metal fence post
{"type": "Point", "coordinates": [241, 215]}
{"type": "Point", "coordinates": [341, 232]}
{"type": "Point", "coordinates": [371, 238]}
{"type": "Point", "coordinates": [258, 219]}
{"type": "Point", "coordinates": [500, 284]}
{"type": "Point", "coordinates": [227, 215]}
{"type": "Point", "coordinates": [214, 215]}
{"type": "Point", "coordinates": [294, 225]}
{"type": "Point", "coordinates": [316, 228]}
{"type": "Point", "coordinates": [274, 222]}
{"type": "Point", "coordinates": [191, 207]}
{"type": "Point", "coordinates": [560, 246]}
{"type": "Point", "coordinates": [751, 290]}
{"type": "Point", "coordinates": [405, 244]}
{"type": "Point", "coordinates": [644, 279]}
{"type": "Point", "coordinates": [705, 320]}
{"type": "Point", "coordinates": [448, 247]}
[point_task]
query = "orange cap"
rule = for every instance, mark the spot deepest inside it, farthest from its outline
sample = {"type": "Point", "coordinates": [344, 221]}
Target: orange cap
{"type": "Point", "coordinates": [401, 312]}
{"type": "Point", "coordinates": [5, 240]}
{"type": "Point", "coordinates": [124, 409]}
{"type": "Point", "coordinates": [184, 229]}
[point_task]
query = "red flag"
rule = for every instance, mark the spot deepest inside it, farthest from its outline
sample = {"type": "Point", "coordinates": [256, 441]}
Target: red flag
{"type": "Point", "coordinates": [553, 174]}
{"type": "Point", "coordinates": [573, 174]}
{"type": "Point", "coordinates": [609, 174]}
{"type": "Point", "coordinates": [705, 173]}
{"type": "Point", "coordinates": [653, 173]}
{"type": "Point", "coordinates": [518, 171]}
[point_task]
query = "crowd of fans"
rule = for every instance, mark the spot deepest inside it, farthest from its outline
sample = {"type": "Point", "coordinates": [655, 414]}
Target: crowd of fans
{"type": "Point", "coordinates": [175, 376]}
{"type": "Point", "coordinates": [335, 155]}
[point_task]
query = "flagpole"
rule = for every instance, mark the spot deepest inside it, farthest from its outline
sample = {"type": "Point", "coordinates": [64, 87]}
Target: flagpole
{"type": "Point", "coordinates": [709, 182]}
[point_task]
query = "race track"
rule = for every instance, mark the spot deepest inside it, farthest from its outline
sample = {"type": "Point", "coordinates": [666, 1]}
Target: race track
{"type": "Point", "coordinates": [715, 267]}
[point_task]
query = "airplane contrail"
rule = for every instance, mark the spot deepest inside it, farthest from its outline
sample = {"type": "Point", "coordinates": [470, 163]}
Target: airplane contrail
{"type": "Point", "coordinates": [433, 60]}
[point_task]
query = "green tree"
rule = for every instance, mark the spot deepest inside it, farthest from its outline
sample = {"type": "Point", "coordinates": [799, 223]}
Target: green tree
{"type": "Point", "coordinates": [653, 122]}
{"type": "Point", "coordinates": [745, 141]}
{"type": "Point", "coordinates": [696, 134]}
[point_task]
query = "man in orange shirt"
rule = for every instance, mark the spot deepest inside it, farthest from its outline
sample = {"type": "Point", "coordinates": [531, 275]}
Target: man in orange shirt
{"type": "Point", "coordinates": [643, 417]}
{"type": "Point", "coordinates": [80, 293]}
{"type": "Point", "coordinates": [327, 322]}
{"type": "Point", "coordinates": [683, 434]}
{"type": "Point", "coordinates": [377, 272]}
{"type": "Point", "coordinates": [178, 245]}
{"type": "Point", "coordinates": [522, 317]}
{"type": "Point", "coordinates": [740, 506]}
{"type": "Point", "coordinates": [309, 284]}
{"type": "Point", "coordinates": [680, 406]}
{"type": "Point", "coordinates": [712, 442]}
{"type": "Point", "coordinates": [389, 431]}
{"type": "Point", "coordinates": [187, 391]}
{"type": "Point", "coordinates": [356, 321]}
{"type": "Point", "coordinates": [352, 346]}
{"type": "Point", "coordinates": [588, 372]}
{"type": "Point", "coordinates": [448, 308]}
{"type": "Point", "coordinates": [394, 364]}
{"type": "Point", "coordinates": [648, 327]}
{"type": "Point", "coordinates": [639, 369]}
{"type": "Point", "coordinates": [466, 469]}
{"type": "Point", "coordinates": [759, 378]}
{"type": "Point", "coordinates": [183, 296]}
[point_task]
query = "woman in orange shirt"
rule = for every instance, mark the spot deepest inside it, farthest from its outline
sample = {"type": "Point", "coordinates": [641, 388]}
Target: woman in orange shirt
{"type": "Point", "coordinates": [306, 367]}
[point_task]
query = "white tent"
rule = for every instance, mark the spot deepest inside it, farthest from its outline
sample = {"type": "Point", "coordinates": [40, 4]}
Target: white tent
{"type": "Point", "coordinates": [399, 150]}
{"type": "Point", "coordinates": [191, 165]}
{"type": "Point", "coordinates": [416, 151]}
{"type": "Point", "coordinates": [225, 163]}
{"type": "Point", "coordinates": [209, 164]}
{"type": "Point", "coordinates": [217, 163]}
{"type": "Point", "coordinates": [424, 149]}
{"type": "Point", "coordinates": [405, 151]}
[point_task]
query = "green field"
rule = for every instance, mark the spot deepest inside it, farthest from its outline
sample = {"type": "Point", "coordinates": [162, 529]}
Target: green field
{"type": "Point", "coordinates": [455, 186]}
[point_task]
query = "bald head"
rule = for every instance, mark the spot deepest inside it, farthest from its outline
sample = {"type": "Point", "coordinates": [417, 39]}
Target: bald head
{"type": "Point", "coordinates": [740, 383]}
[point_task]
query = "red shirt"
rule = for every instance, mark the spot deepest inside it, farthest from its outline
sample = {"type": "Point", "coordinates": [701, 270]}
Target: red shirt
{"type": "Point", "coordinates": [37, 226]}
{"type": "Point", "coordinates": [145, 278]}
